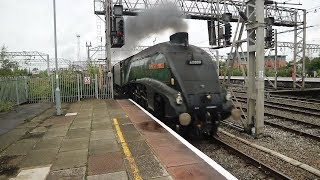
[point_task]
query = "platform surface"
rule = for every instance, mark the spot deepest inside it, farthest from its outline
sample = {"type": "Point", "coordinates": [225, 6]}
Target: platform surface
{"type": "Point", "coordinates": [102, 139]}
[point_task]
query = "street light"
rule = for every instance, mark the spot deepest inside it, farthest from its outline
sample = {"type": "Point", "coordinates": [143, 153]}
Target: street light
{"type": "Point", "coordinates": [57, 91]}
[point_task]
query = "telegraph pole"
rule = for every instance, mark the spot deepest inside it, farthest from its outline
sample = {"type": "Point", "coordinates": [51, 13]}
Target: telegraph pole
{"type": "Point", "coordinates": [57, 91]}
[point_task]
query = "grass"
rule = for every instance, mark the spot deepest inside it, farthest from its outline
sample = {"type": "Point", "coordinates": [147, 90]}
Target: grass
{"type": "Point", "coordinates": [6, 106]}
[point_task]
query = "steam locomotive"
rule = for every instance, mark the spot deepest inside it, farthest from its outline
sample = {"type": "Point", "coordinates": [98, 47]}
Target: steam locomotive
{"type": "Point", "coordinates": [178, 83]}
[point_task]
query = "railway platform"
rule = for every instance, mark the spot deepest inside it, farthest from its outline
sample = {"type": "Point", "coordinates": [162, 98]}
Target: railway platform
{"type": "Point", "coordinates": [100, 139]}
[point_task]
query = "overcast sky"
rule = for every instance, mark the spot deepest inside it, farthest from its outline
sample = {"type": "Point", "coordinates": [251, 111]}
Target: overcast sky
{"type": "Point", "coordinates": [28, 25]}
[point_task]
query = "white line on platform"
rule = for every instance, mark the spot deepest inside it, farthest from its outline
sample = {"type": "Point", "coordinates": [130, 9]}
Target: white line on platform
{"type": "Point", "coordinates": [71, 114]}
{"type": "Point", "coordinates": [204, 157]}
{"type": "Point", "coordinates": [39, 173]}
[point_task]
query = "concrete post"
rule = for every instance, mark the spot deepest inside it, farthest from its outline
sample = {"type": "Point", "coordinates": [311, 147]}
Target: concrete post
{"type": "Point", "coordinates": [48, 65]}
{"type": "Point", "coordinates": [295, 52]}
{"type": "Point", "coordinates": [17, 91]}
{"type": "Point", "coordinates": [108, 8]}
{"type": "Point", "coordinates": [259, 123]}
{"type": "Point", "coordinates": [275, 58]}
{"type": "Point", "coordinates": [303, 48]}
{"type": "Point", "coordinates": [78, 86]}
{"type": "Point", "coordinates": [255, 42]}
{"type": "Point", "coordinates": [96, 85]}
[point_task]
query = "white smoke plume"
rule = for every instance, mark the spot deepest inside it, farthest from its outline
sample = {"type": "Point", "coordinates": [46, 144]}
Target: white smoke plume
{"type": "Point", "coordinates": [152, 21]}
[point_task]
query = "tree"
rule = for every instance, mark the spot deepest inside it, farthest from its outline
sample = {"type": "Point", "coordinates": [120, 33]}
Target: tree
{"type": "Point", "coordinates": [6, 63]}
{"type": "Point", "coordinates": [9, 67]}
{"type": "Point", "coordinates": [313, 65]}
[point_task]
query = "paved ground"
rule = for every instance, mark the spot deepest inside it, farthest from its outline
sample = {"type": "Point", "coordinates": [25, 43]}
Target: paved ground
{"type": "Point", "coordinates": [180, 162]}
{"type": "Point", "coordinates": [102, 139]}
{"type": "Point", "coordinates": [99, 142]}
{"type": "Point", "coordinates": [10, 120]}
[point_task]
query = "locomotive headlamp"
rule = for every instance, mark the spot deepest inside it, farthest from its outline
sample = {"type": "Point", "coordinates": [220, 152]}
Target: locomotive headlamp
{"type": "Point", "coordinates": [184, 119]}
{"type": "Point", "coordinates": [179, 98]}
{"type": "Point", "coordinates": [228, 96]}
{"type": "Point", "coordinates": [172, 81]}
{"type": "Point", "coordinates": [209, 96]}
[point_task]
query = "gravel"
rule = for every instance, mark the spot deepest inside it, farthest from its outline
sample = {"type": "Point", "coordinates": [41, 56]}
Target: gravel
{"type": "Point", "coordinates": [269, 142]}
{"type": "Point", "coordinates": [235, 165]}
{"type": "Point", "coordinates": [293, 115]}
{"type": "Point", "coordinates": [296, 126]}
{"type": "Point", "coordinates": [295, 146]}
{"type": "Point", "coordinates": [301, 148]}
{"type": "Point", "coordinates": [297, 103]}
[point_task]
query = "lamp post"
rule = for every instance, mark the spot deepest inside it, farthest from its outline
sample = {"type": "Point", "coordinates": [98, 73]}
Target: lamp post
{"type": "Point", "coordinates": [57, 91]}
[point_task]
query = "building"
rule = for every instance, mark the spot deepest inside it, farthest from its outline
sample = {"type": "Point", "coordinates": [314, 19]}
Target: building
{"type": "Point", "coordinates": [269, 61]}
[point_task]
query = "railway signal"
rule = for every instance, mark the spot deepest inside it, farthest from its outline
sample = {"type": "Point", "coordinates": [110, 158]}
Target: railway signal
{"type": "Point", "coordinates": [227, 33]}
{"type": "Point", "coordinates": [269, 38]}
{"type": "Point", "coordinates": [117, 27]}
{"type": "Point", "coordinates": [117, 35]}
{"type": "Point", "coordinates": [120, 31]}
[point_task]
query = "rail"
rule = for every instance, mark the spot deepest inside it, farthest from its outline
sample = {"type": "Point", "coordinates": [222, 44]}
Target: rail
{"type": "Point", "coordinates": [274, 173]}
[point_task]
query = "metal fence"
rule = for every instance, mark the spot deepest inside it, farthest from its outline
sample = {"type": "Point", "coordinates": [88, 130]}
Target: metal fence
{"type": "Point", "coordinates": [39, 89]}
{"type": "Point", "coordinates": [14, 89]}
{"type": "Point", "coordinates": [73, 87]}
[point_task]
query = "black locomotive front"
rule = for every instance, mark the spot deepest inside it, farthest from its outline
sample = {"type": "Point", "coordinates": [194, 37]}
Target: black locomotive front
{"type": "Point", "coordinates": [192, 100]}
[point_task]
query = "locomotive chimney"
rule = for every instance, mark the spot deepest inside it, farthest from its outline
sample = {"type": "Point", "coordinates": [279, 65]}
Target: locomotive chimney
{"type": "Point", "coordinates": [180, 38]}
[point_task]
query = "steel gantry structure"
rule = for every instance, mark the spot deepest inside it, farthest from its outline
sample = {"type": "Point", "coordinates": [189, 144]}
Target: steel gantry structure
{"type": "Point", "coordinates": [250, 14]}
{"type": "Point", "coordinates": [310, 48]}
{"type": "Point", "coordinates": [37, 59]}
{"type": "Point", "coordinates": [42, 57]}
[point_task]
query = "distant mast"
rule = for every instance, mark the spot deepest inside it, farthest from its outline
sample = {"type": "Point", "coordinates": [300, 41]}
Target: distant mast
{"type": "Point", "coordinates": [78, 47]}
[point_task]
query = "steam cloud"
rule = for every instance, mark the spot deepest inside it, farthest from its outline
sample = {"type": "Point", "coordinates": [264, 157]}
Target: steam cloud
{"type": "Point", "coordinates": [152, 21]}
{"type": "Point", "coordinates": [155, 20]}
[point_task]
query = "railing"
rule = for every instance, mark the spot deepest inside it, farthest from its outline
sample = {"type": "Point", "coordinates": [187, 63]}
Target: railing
{"type": "Point", "coordinates": [73, 87]}
{"type": "Point", "coordinates": [14, 89]}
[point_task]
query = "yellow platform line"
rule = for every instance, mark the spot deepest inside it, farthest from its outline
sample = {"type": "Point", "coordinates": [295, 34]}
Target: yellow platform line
{"type": "Point", "coordinates": [127, 152]}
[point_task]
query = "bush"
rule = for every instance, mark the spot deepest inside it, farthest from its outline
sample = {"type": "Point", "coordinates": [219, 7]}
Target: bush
{"type": "Point", "coordinates": [236, 72]}
{"type": "Point", "coordinates": [6, 106]}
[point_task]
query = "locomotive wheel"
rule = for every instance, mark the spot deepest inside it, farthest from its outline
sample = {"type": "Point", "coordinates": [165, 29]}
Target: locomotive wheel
{"type": "Point", "coordinates": [214, 129]}
{"type": "Point", "coordinates": [195, 133]}
{"type": "Point", "coordinates": [159, 106]}
{"type": "Point", "coordinates": [215, 125]}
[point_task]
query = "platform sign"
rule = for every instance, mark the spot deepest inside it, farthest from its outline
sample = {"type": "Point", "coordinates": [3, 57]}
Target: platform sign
{"type": "Point", "coordinates": [87, 80]}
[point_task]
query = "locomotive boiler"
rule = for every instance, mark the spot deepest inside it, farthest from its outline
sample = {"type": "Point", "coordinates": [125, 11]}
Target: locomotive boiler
{"type": "Point", "coordinates": [178, 83]}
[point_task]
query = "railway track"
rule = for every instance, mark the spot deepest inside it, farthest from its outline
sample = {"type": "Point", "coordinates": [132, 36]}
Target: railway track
{"type": "Point", "coordinates": [287, 107]}
{"type": "Point", "coordinates": [260, 165]}
{"type": "Point", "coordinates": [229, 149]}
{"type": "Point", "coordinates": [296, 131]}
{"type": "Point", "coordinates": [249, 163]}
{"type": "Point", "coordinates": [299, 127]}
{"type": "Point", "coordinates": [296, 98]}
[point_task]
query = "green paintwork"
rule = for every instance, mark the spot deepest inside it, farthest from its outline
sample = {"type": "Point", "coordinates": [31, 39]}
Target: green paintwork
{"type": "Point", "coordinates": [138, 69]}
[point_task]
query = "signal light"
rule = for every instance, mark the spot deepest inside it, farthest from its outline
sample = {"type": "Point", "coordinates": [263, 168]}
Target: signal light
{"type": "Point", "coordinates": [227, 33]}
{"type": "Point", "coordinates": [120, 26]}
{"type": "Point", "coordinates": [118, 35]}
{"type": "Point", "coordinates": [269, 39]}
